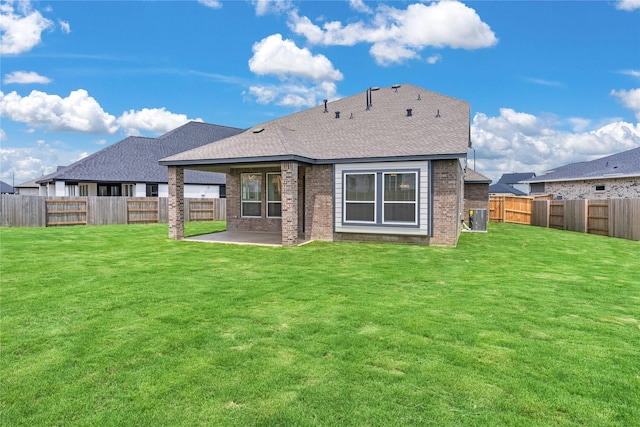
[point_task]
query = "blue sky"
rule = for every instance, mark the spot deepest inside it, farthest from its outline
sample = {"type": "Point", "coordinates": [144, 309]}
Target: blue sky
{"type": "Point", "coordinates": [549, 83]}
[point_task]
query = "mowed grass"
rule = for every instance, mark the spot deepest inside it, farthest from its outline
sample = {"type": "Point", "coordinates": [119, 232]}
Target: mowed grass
{"type": "Point", "coordinates": [118, 325]}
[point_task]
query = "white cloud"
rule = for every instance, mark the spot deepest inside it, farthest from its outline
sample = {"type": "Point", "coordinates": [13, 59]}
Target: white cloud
{"type": "Point", "coordinates": [213, 4]}
{"type": "Point", "coordinates": [78, 112]}
{"type": "Point", "coordinates": [155, 120]}
{"type": "Point", "coordinates": [275, 56]}
{"type": "Point", "coordinates": [434, 58]}
{"type": "Point", "coordinates": [295, 96]}
{"type": "Point", "coordinates": [359, 6]}
{"type": "Point", "coordinates": [27, 163]}
{"type": "Point", "coordinates": [65, 26]}
{"type": "Point", "coordinates": [3, 135]}
{"type": "Point", "coordinates": [264, 7]}
{"type": "Point", "coordinates": [632, 73]}
{"type": "Point", "coordinates": [630, 99]}
{"type": "Point", "coordinates": [20, 31]}
{"type": "Point", "coordinates": [521, 142]}
{"type": "Point", "coordinates": [397, 35]}
{"type": "Point", "coordinates": [25, 77]}
{"type": "Point", "coordinates": [628, 5]}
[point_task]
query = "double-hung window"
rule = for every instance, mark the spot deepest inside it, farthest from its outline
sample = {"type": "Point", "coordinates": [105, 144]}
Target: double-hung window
{"type": "Point", "coordinates": [274, 195]}
{"type": "Point", "coordinates": [360, 197]}
{"type": "Point", "coordinates": [251, 203]}
{"type": "Point", "coordinates": [381, 198]}
{"type": "Point", "coordinates": [400, 204]}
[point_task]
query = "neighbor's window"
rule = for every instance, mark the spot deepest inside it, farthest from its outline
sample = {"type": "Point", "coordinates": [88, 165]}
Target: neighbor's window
{"type": "Point", "coordinates": [251, 205]}
{"type": "Point", "coordinates": [152, 190]}
{"type": "Point", "coordinates": [360, 197]}
{"type": "Point", "coordinates": [84, 189]}
{"type": "Point", "coordinates": [400, 204]}
{"type": "Point", "coordinates": [129, 190]}
{"type": "Point", "coordinates": [599, 187]}
{"type": "Point", "coordinates": [274, 195]}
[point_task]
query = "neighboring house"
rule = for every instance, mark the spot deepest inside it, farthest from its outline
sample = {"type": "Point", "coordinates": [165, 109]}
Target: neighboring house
{"type": "Point", "coordinates": [29, 188]}
{"type": "Point", "coordinates": [130, 167]}
{"type": "Point", "coordinates": [476, 192]}
{"type": "Point", "coordinates": [615, 176]}
{"type": "Point", "coordinates": [383, 165]}
{"type": "Point", "coordinates": [6, 188]}
{"type": "Point", "coordinates": [512, 183]}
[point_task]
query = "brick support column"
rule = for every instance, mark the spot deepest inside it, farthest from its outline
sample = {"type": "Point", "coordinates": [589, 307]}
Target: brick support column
{"type": "Point", "coordinates": [176, 203]}
{"type": "Point", "coordinates": [289, 172]}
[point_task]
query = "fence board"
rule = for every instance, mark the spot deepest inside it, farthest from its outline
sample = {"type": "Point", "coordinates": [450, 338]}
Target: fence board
{"type": "Point", "coordinates": [575, 215]}
{"type": "Point", "coordinates": [540, 213]}
{"type": "Point", "coordinates": [624, 218]}
{"type": "Point", "coordinates": [22, 211]}
{"type": "Point", "coordinates": [142, 211]}
{"type": "Point", "coordinates": [66, 211]}
{"type": "Point", "coordinates": [598, 217]}
{"type": "Point", "coordinates": [556, 215]}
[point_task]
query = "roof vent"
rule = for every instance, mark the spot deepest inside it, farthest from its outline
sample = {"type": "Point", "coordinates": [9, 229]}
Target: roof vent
{"type": "Point", "coordinates": [351, 116]}
{"type": "Point", "coordinates": [438, 114]}
{"type": "Point", "coordinates": [325, 106]}
{"type": "Point", "coordinates": [409, 112]}
{"type": "Point", "coordinates": [337, 114]}
{"type": "Point", "coordinates": [258, 130]}
{"type": "Point", "coordinates": [419, 99]}
{"type": "Point", "coordinates": [395, 87]}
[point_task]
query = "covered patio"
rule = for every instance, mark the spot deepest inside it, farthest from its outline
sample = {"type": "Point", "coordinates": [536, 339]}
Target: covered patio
{"type": "Point", "coordinates": [244, 238]}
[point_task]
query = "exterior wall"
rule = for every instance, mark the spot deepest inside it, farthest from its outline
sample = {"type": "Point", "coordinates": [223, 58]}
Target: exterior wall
{"type": "Point", "coordinates": [191, 191]}
{"type": "Point", "coordinates": [421, 231]}
{"type": "Point", "coordinates": [28, 191]}
{"type": "Point", "coordinates": [448, 192]}
{"type": "Point", "coordinates": [235, 222]}
{"type": "Point", "coordinates": [476, 196]}
{"type": "Point", "coordinates": [614, 188]}
{"type": "Point", "coordinates": [318, 221]}
{"type": "Point", "coordinates": [141, 189]}
{"type": "Point", "coordinates": [289, 200]}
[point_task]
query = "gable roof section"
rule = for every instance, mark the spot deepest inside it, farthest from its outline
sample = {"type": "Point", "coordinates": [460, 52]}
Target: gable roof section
{"type": "Point", "coordinates": [135, 158]}
{"type": "Point", "coordinates": [620, 165]}
{"type": "Point", "coordinates": [472, 176]}
{"type": "Point", "coordinates": [514, 178]}
{"type": "Point", "coordinates": [505, 189]}
{"type": "Point", "coordinates": [437, 128]}
{"type": "Point", "coordinates": [6, 188]}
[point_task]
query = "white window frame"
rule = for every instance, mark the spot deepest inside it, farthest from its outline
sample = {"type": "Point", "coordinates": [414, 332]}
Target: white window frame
{"type": "Point", "coordinates": [374, 201]}
{"type": "Point", "coordinates": [242, 195]}
{"type": "Point", "coordinates": [414, 201]}
{"type": "Point", "coordinates": [129, 190]}
{"type": "Point", "coordinates": [274, 202]}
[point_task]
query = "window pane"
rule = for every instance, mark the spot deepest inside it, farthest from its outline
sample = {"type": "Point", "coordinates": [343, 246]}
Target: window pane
{"type": "Point", "coordinates": [360, 187]}
{"type": "Point", "coordinates": [251, 209]}
{"type": "Point", "coordinates": [274, 187]}
{"type": "Point", "coordinates": [274, 210]}
{"type": "Point", "coordinates": [400, 212]}
{"type": "Point", "coordinates": [360, 212]}
{"type": "Point", "coordinates": [400, 187]}
{"type": "Point", "coordinates": [251, 186]}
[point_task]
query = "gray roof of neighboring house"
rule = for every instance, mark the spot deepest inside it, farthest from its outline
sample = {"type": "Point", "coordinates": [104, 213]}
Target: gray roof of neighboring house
{"type": "Point", "coordinates": [135, 159]}
{"type": "Point", "coordinates": [472, 176]}
{"type": "Point", "coordinates": [620, 165]}
{"type": "Point", "coordinates": [382, 132]}
{"type": "Point", "coordinates": [6, 188]}
{"type": "Point", "coordinates": [505, 189]}
{"type": "Point", "coordinates": [514, 178]}
{"type": "Point", "coordinates": [29, 184]}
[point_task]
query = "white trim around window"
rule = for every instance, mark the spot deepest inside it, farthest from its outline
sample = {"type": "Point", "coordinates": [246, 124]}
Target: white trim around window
{"type": "Point", "coordinates": [274, 195]}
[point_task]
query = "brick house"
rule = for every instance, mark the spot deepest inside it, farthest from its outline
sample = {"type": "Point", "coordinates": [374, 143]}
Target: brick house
{"type": "Point", "coordinates": [383, 165]}
{"type": "Point", "coordinates": [611, 177]}
{"type": "Point", "coordinates": [130, 167]}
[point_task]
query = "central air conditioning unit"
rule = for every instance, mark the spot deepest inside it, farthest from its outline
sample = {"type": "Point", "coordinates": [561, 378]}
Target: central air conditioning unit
{"type": "Point", "coordinates": [478, 219]}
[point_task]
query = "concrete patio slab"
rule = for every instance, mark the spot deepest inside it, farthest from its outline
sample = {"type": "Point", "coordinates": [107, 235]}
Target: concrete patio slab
{"type": "Point", "coordinates": [243, 238]}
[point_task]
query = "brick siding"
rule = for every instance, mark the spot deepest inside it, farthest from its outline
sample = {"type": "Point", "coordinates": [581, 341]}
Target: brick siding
{"type": "Point", "coordinates": [290, 206]}
{"type": "Point", "coordinates": [614, 188]}
{"type": "Point", "coordinates": [476, 196]}
{"type": "Point", "coordinates": [176, 203]}
{"type": "Point", "coordinates": [448, 194]}
{"type": "Point", "coordinates": [319, 202]}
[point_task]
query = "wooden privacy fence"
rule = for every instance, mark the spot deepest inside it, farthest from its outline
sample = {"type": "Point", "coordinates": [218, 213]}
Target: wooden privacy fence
{"type": "Point", "coordinates": [514, 209]}
{"type": "Point", "coordinates": [40, 211]}
{"type": "Point", "coordinates": [613, 217]}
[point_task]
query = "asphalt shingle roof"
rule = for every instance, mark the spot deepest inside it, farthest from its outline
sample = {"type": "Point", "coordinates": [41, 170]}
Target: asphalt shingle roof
{"type": "Point", "coordinates": [500, 188]}
{"type": "Point", "coordinates": [135, 159]}
{"type": "Point", "coordinates": [471, 175]}
{"type": "Point", "coordinates": [6, 188]}
{"type": "Point", "coordinates": [514, 178]}
{"type": "Point", "coordinates": [624, 164]}
{"type": "Point", "coordinates": [438, 126]}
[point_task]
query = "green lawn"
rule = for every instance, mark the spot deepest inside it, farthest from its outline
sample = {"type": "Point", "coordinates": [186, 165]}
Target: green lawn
{"type": "Point", "coordinates": [118, 325]}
